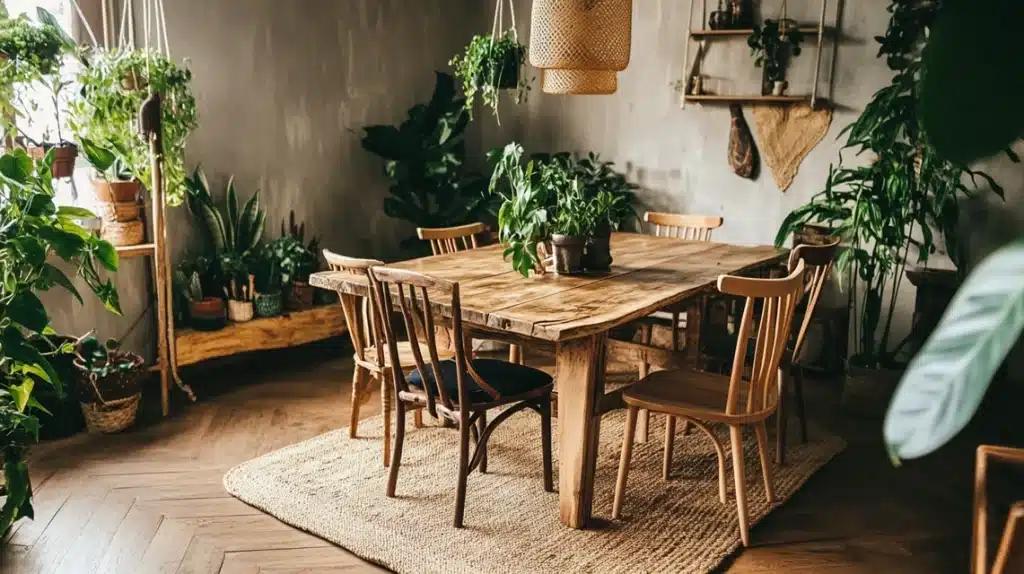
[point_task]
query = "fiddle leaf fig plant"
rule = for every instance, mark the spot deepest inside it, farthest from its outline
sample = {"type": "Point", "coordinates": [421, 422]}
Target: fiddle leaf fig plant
{"type": "Point", "coordinates": [489, 65]}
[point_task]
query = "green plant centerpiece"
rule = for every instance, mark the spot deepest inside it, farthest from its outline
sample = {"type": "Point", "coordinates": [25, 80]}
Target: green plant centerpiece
{"type": "Point", "coordinates": [492, 64]}
{"type": "Point", "coordinates": [596, 176]}
{"type": "Point", "coordinates": [606, 213]}
{"type": "Point", "coordinates": [571, 227]}
{"type": "Point", "coordinates": [523, 222]}
{"type": "Point", "coordinates": [34, 232]}
{"type": "Point", "coordinates": [109, 384]}
{"type": "Point", "coordinates": [903, 198]}
{"type": "Point", "coordinates": [425, 162]}
{"type": "Point", "coordinates": [771, 45]}
{"type": "Point", "coordinates": [113, 86]}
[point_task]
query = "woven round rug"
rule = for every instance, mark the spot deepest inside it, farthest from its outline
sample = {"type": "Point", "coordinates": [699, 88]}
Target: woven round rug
{"type": "Point", "coordinates": [333, 487]}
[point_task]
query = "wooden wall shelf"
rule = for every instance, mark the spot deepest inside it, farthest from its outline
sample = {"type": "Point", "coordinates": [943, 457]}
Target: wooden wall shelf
{"type": "Point", "coordinates": [289, 330]}
{"type": "Point", "coordinates": [744, 32]}
{"type": "Point", "coordinates": [140, 250]}
{"type": "Point", "coordinates": [749, 99]}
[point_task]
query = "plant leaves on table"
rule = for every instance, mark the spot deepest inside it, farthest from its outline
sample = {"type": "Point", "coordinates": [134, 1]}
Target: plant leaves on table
{"type": "Point", "coordinates": [945, 383]}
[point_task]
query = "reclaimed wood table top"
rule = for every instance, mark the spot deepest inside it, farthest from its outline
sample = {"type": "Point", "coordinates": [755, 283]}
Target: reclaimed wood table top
{"type": "Point", "coordinates": [648, 273]}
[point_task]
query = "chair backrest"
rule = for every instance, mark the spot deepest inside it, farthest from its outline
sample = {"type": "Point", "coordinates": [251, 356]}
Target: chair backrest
{"type": "Point", "coordinates": [693, 227]}
{"type": "Point", "coordinates": [818, 260]}
{"type": "Point", "coordinates": [451, 239]}
{"type": "Point", "coordinates": [412, 290]}
{"type": "Point", "coordinates": [776, 300]}
{"type": "Point", "coordinates": [365, 337]}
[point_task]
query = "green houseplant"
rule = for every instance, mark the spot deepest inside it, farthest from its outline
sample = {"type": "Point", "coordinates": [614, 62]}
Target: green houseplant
{"type": "Point", "coordinates": [571, 227]}
{"type": "Point", "coordinates": [605, 210]}
{"type": "Point", "coordinates": [32, 230]}
{"type": "Point", "coordinates": [903, 198]}
{"type": "Point", "coordinates": [206, 312]}
{"type": "Point", "coordinates": [109, 384]}
{"type": "Point", "coordinates": [226, 228]}
{"type": "Point", "coordinates": [596, 176]}
{"type": "Point", "coordinates": [113, 86]}
{"type": "Point", "coordinates": [296, 262]}
{"type": "Point", "coordinates": [424, 160]}
{"type": "Point", "coordinates": [772, 45]}
{"type": "Point", "coordinates": [523, 222]}
{"type": "Point", "coordinates": [267, 300]}
{"type": "Point", "coordinates": [489, 65]}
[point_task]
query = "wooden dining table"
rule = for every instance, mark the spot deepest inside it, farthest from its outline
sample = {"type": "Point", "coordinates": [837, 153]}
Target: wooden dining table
{"type": "Point", "coordinates": [573, 315]}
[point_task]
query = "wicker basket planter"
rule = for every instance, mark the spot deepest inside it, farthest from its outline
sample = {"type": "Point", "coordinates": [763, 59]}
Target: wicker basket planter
{"type": "Point", "coordinates": [123, 234]}
{"type": "Point", "coordinates": [240, 311]}
{"type": "Point", "coordinates": [64, 157]}
{"type": "Point", "coordinates": [110, 404]}
{"type": "Point", "coordinates": [268, 304]}
{"type": "Point", "coordinates": [120, 212]}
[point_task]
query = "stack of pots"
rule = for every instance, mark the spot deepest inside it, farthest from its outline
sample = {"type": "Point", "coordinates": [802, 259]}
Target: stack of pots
{"type": "Point", "coordinates": [581, 45]}
{"type": "Point", "coordinates": [119, 207]}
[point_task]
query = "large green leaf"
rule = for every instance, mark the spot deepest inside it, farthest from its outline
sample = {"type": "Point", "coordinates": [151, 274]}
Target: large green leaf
{"type": "Point", "coordinates": [231, 212]}
{"type": "Point", "coordinates": [27, 310]}
{"type": "Point", "coordinates": [946, 381]}
{"type": "Point", "coordinates": [215, 225]}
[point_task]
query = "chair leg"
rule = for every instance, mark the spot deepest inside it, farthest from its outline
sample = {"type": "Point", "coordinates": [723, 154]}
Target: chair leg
{"type": "Point", "coordinates": [460, 491]}
{"type": "Point", "coordinates": [736, 441]}
{"type": "Point", "coordinates": [627, 453]}
{"type": "Point", "coordinates": [417, 418]}
{"type": "Point", "coordinates": [515, 354]}
{"type": "Point", "coordinates": [781, 419]}
{"type": "Point", "coordinates": [798, 386]}
{"type": "Point", "coordinates": [481, 425]}
{"type": "Point", "coordinates": [670, 441]}
{"type": "Point", "coordinates": [545, 439]}
{"type": "Point", "coordinates": [359, 380]}
{"type": "Point", "coordinates": [396, 457]}
{"type": "Point", "coordinates": [644, 426]}
{"type": "Point", "coordinates": [766, 466]}
{"type": "Point", "coordinates": [385, 405]}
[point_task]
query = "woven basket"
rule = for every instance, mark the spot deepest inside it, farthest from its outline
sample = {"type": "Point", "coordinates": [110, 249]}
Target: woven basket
{"type": "Point", "coordinates": [122, 234]}
{"type": "Point", "coordinates": [240, 311]}
{"type": "Point", "coordinates": [121, 212]}
{"type": "Point", "coordinates": [581, 34]}
{"type": "Point", "coordinates": [112, 417]}
{"type": "Point", "coordinates": [579, 82]}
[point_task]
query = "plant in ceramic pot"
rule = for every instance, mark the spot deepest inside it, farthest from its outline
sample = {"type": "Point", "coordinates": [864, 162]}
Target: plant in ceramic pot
{"type": "Point", "coordinates": [117, 193]}
{"type": "Point", "coordinates": [34, 234]}
{"type": "Point", "coordinates": [268, 299]}
{"type": "Point", "coordinates": [570, 229]}
{"type": "Point", "coordinates": [238, 287]}
{"type": "Point", "coordinates": [772, 45]}
{"type": "Point", "coordinates": [206, 313]}
{"type": "Point", "coordinates": [109, 384]}
{"type": "Point", "coordinates": [489, 65]}
{"type": "Point", "coordinates": [604, 212]}
{"type": "Point", "coordinates": [523, 222]}
{"type": "Point", "coordinates": [225, 228]}
{"type": "Point", "coordinates": [296, 262]}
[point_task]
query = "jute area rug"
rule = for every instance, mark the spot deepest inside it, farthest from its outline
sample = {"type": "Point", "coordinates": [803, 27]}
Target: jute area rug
{"type": "Point", "coordinates": [333, 487]}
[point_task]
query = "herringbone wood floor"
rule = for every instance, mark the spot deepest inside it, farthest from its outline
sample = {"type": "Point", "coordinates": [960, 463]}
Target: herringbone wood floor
{"type": "Point", "coordinates": [151, 500]}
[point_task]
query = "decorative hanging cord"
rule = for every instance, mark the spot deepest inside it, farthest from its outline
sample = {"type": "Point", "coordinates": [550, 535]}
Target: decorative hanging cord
{"type": "Point", "coordinates": [85, 23]}
{"type": "Point", "coordinates": [499, 19]}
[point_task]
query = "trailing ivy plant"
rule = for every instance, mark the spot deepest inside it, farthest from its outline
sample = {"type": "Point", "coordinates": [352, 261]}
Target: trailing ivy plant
{"type": "Point", "coordinates": [490, 65]}
{"type": "Point", "coordinates": [31, 53]}
{"type": "Point", "coordinates": [114, 85]}
{"type": "Point", "coordinates": [771, 45]}
{"type": "Point", "coordinates": [34, 231]}
{"type": "Point", "coordinates": [899, 199]}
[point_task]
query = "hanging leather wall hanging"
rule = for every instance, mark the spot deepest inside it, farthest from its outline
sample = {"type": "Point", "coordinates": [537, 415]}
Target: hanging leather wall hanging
{"type": "Point", "coordinates": [743, 156]}
{"type": "Point", "coordinates": [787, 134]}
{"type": "Point", "coordinates": [581, 36]}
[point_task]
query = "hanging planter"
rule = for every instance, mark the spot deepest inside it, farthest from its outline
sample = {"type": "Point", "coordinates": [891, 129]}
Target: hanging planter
{"type": "Point", "coordinates": [491, 63]}
{"type": "Point", "coordinates": [64, 156]}
{"type": "Point", "coordinates": [582, 36]}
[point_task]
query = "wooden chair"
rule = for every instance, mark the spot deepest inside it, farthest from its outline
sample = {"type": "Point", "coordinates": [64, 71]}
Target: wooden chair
{"type": "Point", "coordinates": [1010, 553]}
{"type": "Point", "coordinates": [444, 240]}
{"type": "Point", "coordinates": [703, 398]}
{"type": "Point", "coordinates": [364, 330]}
{"type": "Point", "coordinates": [818, 260]}
{"type": "Point", "coordinates": [690, 227]}
{"type": "Point", "coordinates": [459, 390]}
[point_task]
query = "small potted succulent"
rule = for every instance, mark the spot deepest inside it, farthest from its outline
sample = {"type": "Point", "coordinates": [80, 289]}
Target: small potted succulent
{"type": "Point", "coordinates": [205, 313]}
{"type": "Point", "coordinates": [489, 65]}
{"type": "Point", "coordinates": [109, 384]}
{"type": "Point", "coordinates": [267, 298]}
{"type": "Point", "coordinates": [772, 45]}
{"type": "Point", "coordinates": [572, 226]}
{"type": "Point", "coordinates": [239, 286]}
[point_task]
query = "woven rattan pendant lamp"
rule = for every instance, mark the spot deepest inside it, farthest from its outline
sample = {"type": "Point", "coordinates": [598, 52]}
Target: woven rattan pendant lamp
{"type": "Point", "coordinates": [581, 44]}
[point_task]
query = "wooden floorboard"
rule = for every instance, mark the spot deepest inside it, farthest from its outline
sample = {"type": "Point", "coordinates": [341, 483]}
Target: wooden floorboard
{"type": "Point", "coordinates": [151, 500]}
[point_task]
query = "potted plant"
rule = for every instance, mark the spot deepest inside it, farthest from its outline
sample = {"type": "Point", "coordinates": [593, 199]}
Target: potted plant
{"type": "Point", "coordinates": [113, 183]}
{"type": "Point", "coordinates": [238, 287]}
{"type": "Point", "coordinates": [296, 263]}
{"type": "Point", "coordinates": [267, 299]}
{"type": "Point", "coordinates": [109, 384]}
{"type": "Point", "coordinates": [605, 209]}
{"type": "Point", "coordinates": [903, 199]}
{"type": "Point", "coordinates": [571, 227]}
{"type": "Point", "coordinates": [772, 45]}
{"type": "Point", "coordinates": [523, 222]}
{"type": "Point", "coordinates": [226, 228]}
{"type": "Point", "coordinates": [489, 65]}
{"type": "Point", "coordinates": [205, 313]}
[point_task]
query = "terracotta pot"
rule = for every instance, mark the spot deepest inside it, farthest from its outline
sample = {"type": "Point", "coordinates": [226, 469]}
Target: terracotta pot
{"type": "Point", "coordinates": [64, 157]}
{"type": "Point", "coordinates": [568, 253]}
{"type": "Point", "coordinates": [116, 191]}
{"type": "Point", "coordinates": [240, 311]}
{"type": "Point", "coordinates": [300, 296]}
{"type": "Point", "coordinates": [867, 391]}
{"type": "Point", "coordinates": [208, 314]}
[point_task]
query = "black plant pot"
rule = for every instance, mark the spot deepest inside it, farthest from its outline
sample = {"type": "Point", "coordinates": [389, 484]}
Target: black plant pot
{"type": "Point", "coordinates": [598, 256]}
{"type": "Point", "coordinates": [568, 253]}
{"type": "Point", "coordinates": [507, 76]}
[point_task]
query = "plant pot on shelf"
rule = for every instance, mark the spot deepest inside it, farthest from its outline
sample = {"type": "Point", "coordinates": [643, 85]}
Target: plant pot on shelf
{"type": "Point", "coordinates": [240, 311]}
{"type": "Point", "coordinates": [779, 87]}
{"type": "Point", "coordinates": [268, 304]}
{"type": "Point", "coordinates": [868, 390]}
{"type": "Point", "coordinates": [567, 252]}
{"type": "Point", "coordinates": [116, 191]}
{"type": "Point", "coordinates": [110, 404]}
{"type": "Point", "coordinates": [64, 156]}
{"type": "Point", "coordinates": [123, 234]}
{"type": "Point", "coordinates": [598, 255]}
{"type": "Point", "coordinates": [300, 296]}
{"type": "Point", "coordinates": [207, 315]}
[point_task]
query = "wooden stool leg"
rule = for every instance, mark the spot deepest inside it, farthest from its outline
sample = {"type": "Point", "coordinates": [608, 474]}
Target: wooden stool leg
{"type": "Point", "coordinates": [736, 441]}
{"type": "Point", "coordinates": [385, 405]}
{"type": "Point", "coordinates": [670, 439]}
{"type": "Point", "coordinates": [360, 377]}
{"type": "Point", "coordinates": [766, 466]}
{"type": "Point", "coordinates": [627, 453]}
{"type": "Point", "coordinates": [643, 433]}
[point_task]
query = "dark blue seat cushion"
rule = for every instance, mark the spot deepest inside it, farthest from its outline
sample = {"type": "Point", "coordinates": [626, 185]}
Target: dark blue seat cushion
{"type": "Point", "coordinates": [509, 379]}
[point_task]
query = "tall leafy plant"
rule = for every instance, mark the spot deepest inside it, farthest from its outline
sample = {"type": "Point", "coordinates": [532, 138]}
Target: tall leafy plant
{"type": "Point", "coordinates": [34, 231]}
{"type": "Point", "coordinates": [596, 176]}
{"type": "Point", "coordinates": [523, 221]}
{"type": "Point", "coordinates": [226, 228]}
{"type": "Point", "coordinates": [424, 159]}
{"type": "Point", "coordinates": [900, 198]}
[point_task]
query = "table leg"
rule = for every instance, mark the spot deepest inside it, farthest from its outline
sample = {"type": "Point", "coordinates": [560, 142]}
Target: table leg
{"type": "Point", "coordinates": [579, 375]}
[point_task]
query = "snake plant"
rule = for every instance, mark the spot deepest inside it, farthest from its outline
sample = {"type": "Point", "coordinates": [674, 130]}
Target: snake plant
{"type": "Point", "coordinates": [226, 228]}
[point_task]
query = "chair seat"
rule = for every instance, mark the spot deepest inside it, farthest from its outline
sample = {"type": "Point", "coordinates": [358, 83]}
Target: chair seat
{"type": "Point", "coordinates": [406, 358]}
{"type": "Point", "coordinates": [509, 379]}
{"type": "Point", "coordinates": [694, 394]}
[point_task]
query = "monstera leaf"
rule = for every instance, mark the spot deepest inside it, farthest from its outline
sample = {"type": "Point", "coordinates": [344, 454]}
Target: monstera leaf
{"type": "Point", "coordinates": [946, 381]}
